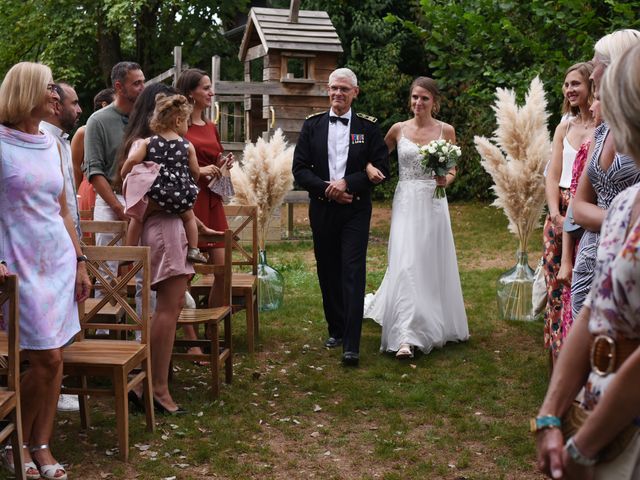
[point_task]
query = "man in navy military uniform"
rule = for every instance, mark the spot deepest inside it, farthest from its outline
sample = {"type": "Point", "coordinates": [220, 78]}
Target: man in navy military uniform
{"type": "Point", "coordinates": [329, 162]}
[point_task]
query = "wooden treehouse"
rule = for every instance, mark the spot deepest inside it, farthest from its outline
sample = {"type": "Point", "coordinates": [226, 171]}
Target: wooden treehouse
{"type": "Point", "coordinates": [293, 52]}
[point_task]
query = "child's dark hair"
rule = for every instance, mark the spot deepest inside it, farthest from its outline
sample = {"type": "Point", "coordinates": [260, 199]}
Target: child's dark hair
{"type": "Point", "coordinates": [168, 109]}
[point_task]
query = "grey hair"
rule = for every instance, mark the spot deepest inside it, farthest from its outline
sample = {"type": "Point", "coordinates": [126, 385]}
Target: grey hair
{"type": "Point", "coordinates": [620, 97]}
{"type": "Point", "coordinates": [344, 73]}
{"type": "Point", "coordinates": [611, 46]}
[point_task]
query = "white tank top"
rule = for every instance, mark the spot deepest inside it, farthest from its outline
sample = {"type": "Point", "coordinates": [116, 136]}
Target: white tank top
{"type": "Point", "coordinates": [568, 156]}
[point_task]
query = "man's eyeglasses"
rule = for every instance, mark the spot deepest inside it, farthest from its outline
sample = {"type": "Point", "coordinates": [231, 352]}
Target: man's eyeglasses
{"type": "Point", "coordinates": [334, 89]}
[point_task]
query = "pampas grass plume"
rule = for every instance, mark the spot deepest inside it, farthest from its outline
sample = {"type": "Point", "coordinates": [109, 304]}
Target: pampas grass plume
{"type": "Point", "coordinates": [263, 178]}
{"type": "Point", "coordinates": [517, 156]}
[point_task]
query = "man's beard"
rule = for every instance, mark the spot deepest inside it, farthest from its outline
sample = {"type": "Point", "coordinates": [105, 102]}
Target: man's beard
{"type": "Point", "coordinates": [68, 123]}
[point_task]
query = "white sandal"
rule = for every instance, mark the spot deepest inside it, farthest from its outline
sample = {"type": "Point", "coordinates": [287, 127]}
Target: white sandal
{"type": "Point", "coordinates": [9, 465]}
{"type": "Point", "coordinates": [49, 471]}
{"type": "Point", "coordinates": [405, 351]}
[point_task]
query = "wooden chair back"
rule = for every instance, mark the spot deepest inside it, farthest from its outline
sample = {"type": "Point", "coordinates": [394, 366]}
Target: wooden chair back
{"type": "Point", "coordinates": [89, 229]}
{"type": "Point", "coordinates": [85, 214]}
{"type": "Point", "coordinates": [222, 272]}
{"type": "Point", "coordinates": [10, 396]}
{"type": "Point", "coordinates": [245, 224]}
{"type": "Point", "coordinates": [11, 337]}
{"type": "Point", "coordinates": [113, 286]}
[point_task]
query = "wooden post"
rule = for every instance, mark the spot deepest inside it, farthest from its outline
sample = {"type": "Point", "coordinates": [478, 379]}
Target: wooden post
{"type": "Point", "coordinates": [177, 64]}
{"type": "Point", "coordinates": [215, 77]}
{"type": "Point", "coordinates": [293, 11]}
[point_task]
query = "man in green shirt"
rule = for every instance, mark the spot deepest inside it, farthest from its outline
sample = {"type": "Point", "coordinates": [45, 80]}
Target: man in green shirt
{"type": "Point", "coordinates": [103, 137]}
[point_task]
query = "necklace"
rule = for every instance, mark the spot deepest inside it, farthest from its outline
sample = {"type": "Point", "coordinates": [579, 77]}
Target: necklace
{"type": "Point", "coordinates": [584, 124]}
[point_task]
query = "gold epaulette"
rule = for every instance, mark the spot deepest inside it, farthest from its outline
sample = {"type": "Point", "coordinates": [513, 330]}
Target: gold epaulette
{"type": "Point", "coordinates": [315, 114]}
{"type": "Point", "coordinates": [367, 117]}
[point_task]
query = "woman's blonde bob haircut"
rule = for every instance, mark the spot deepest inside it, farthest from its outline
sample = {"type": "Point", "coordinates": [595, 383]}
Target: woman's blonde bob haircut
{"type": "Point", "coordinates": [620, 99]}
{"type": "Point", "coordinates": [24, 88]}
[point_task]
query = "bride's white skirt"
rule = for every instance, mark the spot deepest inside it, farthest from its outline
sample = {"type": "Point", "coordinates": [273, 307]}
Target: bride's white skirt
{"type": "Point", "coordinates": [420, 298]}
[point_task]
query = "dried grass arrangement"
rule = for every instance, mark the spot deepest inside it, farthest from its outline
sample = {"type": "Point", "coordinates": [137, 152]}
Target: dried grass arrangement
{"type": "Point", "coordinates": [263, 178]}
{"type": "Point", "coordinates": [516, 163]}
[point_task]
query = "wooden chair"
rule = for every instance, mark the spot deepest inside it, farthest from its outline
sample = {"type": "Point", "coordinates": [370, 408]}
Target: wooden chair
{"type": "Point", "coordinates": [244, 285]}
{"type": "Point", "coordinates": [10, 396]}
{"type": "Point", "coordinates": [109, 313]}
{"type": "Point", "coordinates": [114, 359]}
{"type": "Point", "coordinates": [91, 227]}
{"type": "Point", "coordinates": [218, 354]}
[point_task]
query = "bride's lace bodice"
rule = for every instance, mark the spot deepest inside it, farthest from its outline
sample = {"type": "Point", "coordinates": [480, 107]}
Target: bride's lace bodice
{"type": "Point", "coordinates": [409, 161]}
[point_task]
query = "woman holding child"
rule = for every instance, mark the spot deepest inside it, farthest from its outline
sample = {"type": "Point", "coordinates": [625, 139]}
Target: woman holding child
{"type": "Point", "coordinates": [164, 233]}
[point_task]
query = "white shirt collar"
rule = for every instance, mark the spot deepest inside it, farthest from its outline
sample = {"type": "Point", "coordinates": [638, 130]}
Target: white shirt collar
{"type": "Point", "coordinates": [346, 115]}
{"type": "Point", "coordinates": [53, 130]}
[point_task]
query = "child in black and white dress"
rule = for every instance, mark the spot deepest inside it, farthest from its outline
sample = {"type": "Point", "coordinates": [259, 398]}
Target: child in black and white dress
{"type": "Point", "coordinates": [173, 188]}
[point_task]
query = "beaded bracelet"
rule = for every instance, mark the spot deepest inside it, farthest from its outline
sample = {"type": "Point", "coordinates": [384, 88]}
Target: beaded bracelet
{"type": "Point", "coordinates": [545, 421]}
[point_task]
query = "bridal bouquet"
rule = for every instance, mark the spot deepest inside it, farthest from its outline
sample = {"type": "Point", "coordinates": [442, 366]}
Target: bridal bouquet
{"type": "Point", "coordinates": [438, 157]}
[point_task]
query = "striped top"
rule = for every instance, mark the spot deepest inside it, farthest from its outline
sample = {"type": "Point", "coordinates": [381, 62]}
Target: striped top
{"type": "Point", "coordinates": [621, 174]}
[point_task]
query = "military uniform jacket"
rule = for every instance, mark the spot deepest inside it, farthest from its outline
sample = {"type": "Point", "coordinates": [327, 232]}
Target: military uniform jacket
{"type": "Point", "coordinates": [310, 159]}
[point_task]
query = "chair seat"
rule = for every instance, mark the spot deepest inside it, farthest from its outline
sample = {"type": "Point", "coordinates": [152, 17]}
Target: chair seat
{"type": "Point", "coordinates": [201, 315]}
{"type": "Point", "coordinates": [104, 353]}
{"type": "Point", "coordinates": [242, 281]}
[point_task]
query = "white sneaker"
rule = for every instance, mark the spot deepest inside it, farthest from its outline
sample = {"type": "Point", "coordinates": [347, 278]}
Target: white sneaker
{"type": "Point", "coordinates": [68, 403]}
{"type": "Point", "coordinates": [405, 351]}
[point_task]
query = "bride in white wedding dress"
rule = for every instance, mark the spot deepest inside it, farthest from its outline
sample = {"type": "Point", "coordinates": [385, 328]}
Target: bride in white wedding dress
{"type": "Point", "coordinates": [419, 303]}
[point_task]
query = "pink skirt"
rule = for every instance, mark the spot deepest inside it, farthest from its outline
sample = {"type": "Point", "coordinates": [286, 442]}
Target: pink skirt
{"type": "Point", "coordinates": [164, 233]}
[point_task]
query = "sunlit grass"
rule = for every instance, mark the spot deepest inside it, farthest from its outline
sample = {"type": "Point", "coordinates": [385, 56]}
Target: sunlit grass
{"type": "Point", "coordinates": [294, 412]}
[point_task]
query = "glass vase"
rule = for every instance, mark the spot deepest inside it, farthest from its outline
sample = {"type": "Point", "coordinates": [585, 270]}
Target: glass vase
{"type": "Point", "coordinates": [514, 291]}
{"type": "Point", "coordinates": [270, 285]}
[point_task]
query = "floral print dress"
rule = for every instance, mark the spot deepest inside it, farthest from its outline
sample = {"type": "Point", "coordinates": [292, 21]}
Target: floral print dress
{"type": "Point", "coordinates": [614, 298]}
{"type": "Point", "coordinates": [34, 241]}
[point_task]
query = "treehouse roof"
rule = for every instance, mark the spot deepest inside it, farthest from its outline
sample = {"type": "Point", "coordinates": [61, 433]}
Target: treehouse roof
{"type": "Point", "coordinates": [270, 28]}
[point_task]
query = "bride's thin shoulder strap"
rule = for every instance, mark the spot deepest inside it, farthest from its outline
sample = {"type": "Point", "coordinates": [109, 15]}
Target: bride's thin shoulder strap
{"type": "Point", "coordinates": [402, 129]}
{"type": "Point", "coordinates": [441, 128]}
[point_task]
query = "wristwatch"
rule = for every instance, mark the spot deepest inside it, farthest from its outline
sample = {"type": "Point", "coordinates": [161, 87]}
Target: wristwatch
{"type": "Point", "coordinates": [543, 422]}
{"type": "Point", "coordinates": [577, 456]}
{"type": "Point", "coordinates": [82, 258]}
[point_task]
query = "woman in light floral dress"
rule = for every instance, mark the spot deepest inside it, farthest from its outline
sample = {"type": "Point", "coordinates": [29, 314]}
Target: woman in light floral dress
{"type": "Point", "coordinates": [38, 243]}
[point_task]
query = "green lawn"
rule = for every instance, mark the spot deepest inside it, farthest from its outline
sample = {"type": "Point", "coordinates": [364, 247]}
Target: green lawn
{"type": "Point", "coordinates": [293, 412]}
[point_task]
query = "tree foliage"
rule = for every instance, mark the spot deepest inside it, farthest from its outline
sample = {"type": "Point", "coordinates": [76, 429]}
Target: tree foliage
{"type": "Point", "coordinates": [82, 39]}
{"type": "Point", "coordinates": [470, 47]}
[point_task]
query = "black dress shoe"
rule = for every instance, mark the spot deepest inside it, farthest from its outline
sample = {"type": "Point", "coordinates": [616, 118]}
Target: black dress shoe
{"type": "Point", "coordinates": [136, 401]}
{"type": "Point", "coordinates": [350, 359]}
{"type": "Point", "coordinates": [333, 342]}
{"type": "Point", "coordinates": [161, 409]}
